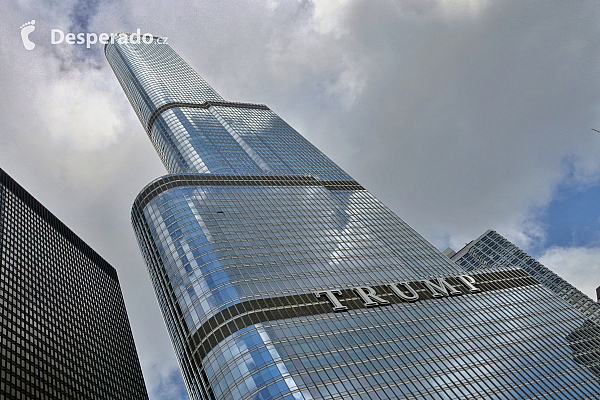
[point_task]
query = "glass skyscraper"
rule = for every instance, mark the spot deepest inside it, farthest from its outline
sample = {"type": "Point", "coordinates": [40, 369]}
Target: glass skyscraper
{"type": "Point", "coordinates": [64, 331]}
{"type": "Point", "coordinates": [493, 250]}
{"type": "Point", "coordinates": [280, 277]}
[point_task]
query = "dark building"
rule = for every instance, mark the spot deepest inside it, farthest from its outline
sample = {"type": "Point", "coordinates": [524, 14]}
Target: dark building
{"type": "Point", "coordinates": [64, 332]}
{"type": "Point", "coordinates": [280, 277]}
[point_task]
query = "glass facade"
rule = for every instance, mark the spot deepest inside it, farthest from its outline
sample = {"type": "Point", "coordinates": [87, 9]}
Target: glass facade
{"type": "Point", "coordinates": [280, 277]}
{"type": "Point", "coordinates": [64, 331]}
{"type": "Point", "coordinates": [492, 250]}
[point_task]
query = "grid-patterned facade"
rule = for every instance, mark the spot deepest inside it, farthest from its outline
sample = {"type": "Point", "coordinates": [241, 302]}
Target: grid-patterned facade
{"type": "Point", "coordinates": [195, 131]}
{"type": "Point", "coordinates": [492, 250]}
{"type": "Point", "coordinates": [280, 277]}
{"type": "Point", "coordinates": [64, 331]}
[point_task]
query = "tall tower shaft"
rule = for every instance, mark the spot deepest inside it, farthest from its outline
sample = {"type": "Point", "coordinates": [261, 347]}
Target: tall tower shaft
{"type": "Point", "coordinates": [280, 277]}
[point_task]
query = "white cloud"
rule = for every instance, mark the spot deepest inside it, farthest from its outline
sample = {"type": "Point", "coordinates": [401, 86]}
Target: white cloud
{"type": "Point", "coordinates": [328, 14]}
{"type": "Point", "coordinates": [580, 266]}
{"type": "Point", "coordinates": [78, 114]}
{"type": "Point", "coordinates": [462, 8]}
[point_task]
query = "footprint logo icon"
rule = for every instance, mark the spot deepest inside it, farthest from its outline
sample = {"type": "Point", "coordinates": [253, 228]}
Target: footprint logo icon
{"type": "Point", "coordinates": [26, 29]}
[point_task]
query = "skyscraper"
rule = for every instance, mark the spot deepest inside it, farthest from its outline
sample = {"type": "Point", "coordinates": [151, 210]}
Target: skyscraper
{"type": "Point", "coordinates": [492, 250]}
{"type": "Point", "coordinates": [64, 332]}
{"type": "Point", "coordinates": [280, 277]}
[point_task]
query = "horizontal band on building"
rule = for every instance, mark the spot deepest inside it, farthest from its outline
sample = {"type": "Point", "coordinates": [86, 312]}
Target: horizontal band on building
{"type": "Point", "coordinates": [34, 205]}
{"type": "Point", "coordinates": [207, 104]}
{"type": "Point", "coordinates": [247, 313]}
{"type": "Point", "coordinates": [176, 180]}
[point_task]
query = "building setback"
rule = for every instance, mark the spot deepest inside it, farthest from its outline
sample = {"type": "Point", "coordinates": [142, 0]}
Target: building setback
{"type": "Point", "coordinates": [64, 332]}
{"type": "Point", "coordinates": [493, 250]}
{"type": "Point", "coordinates": [280, 277]}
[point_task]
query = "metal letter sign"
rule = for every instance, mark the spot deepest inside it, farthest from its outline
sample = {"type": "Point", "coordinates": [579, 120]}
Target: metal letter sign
{"type": "Point", "coordinates": [469, 281]}
{"type": "Point", "coordinates": [369, 296]}
{"type": "Point", "coordinates": [414, 296]}
{"type": "Point", "coordinates": [403, 290]}
{"type": "Point", "coordinates": [441, 289]}
{"type": "Point", "coordinates": [337, 306]}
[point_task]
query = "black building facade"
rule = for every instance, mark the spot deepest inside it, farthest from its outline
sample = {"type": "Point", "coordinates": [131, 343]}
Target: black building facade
{"type": "Point", "coordinates": [64, 331]}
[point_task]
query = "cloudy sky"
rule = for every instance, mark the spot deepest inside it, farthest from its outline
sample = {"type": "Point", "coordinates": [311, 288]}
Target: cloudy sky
{"type": "Point", "coordinates": [460, 115]}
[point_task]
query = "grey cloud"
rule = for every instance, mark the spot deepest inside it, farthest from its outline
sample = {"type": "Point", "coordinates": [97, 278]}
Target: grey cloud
{"type": "Point", "coordinates": [82, 12]}
{"type": "Point", "coordinates": [473, 122]}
